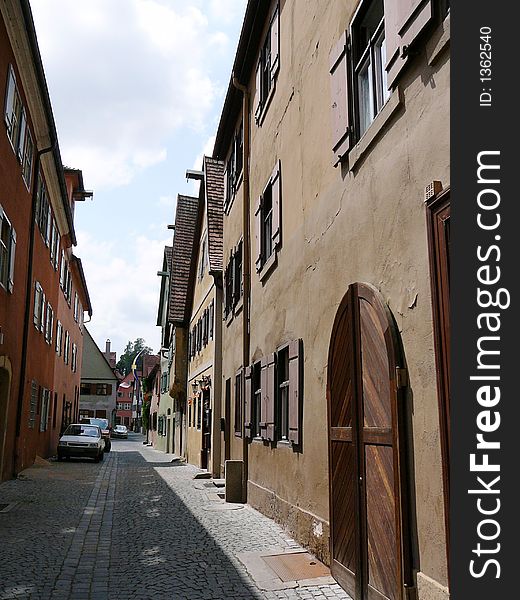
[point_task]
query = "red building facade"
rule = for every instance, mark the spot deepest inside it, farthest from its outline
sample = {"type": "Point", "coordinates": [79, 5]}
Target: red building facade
{"type": "Point", "coordinates": [43, 291]}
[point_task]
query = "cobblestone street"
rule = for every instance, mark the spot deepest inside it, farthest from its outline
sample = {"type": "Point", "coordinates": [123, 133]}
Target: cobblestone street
{"type": "Point", "coordinates": [136, 526]}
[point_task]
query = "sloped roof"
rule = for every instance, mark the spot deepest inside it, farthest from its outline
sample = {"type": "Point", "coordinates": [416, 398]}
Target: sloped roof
{"type": "Point", "coordinates": [186, 221]}
{"type": "Point", "coordinates": [214, 188]}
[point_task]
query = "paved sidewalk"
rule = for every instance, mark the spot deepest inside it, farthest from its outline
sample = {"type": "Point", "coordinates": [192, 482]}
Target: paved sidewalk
{"type": "Point", "coordinates": [134, 527]}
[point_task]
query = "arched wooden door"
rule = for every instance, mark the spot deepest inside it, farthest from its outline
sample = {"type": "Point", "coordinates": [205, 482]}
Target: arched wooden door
{"type": "Point", "coordinates": [369, 536]}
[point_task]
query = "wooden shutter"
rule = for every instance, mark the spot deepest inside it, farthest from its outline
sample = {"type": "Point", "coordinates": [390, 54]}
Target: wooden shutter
{"type": "Point", "coordinates": [404, 22]}
{"type": "Point", "coordinates": [275, 44]}
{"type": "Point", "coordinates": [247, 401]}
{"type": "Point", "coordinates": [339, 98]}
{"type": "Point", "coordinates": [12, 252]}
{"type": "Point", "coordinates": [295, 365]}
{"type": "Point", "coordinates": [21, 137]}
{"type": "Point", "coordinates": [37, 300]}
{"type": "Point", "coordinates": [9, 99]}
{"type": "Point", "coordinates": [257, 105]}
{"type": "Point", "coordinates": [263, 397]}
{"type": "Point", "coordinates": [211, 318]}
{"type": "Point", "coordinates": [258, 233]}
{"type": "Point", "coordinates": [276, 193]}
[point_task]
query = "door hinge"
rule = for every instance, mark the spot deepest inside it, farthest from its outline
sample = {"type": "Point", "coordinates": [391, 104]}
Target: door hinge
{"type": "Point", "coordinates": [401, 377]}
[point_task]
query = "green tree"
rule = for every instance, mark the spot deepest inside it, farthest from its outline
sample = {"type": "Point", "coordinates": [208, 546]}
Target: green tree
{"type": "Point", "coordinates": [124, 364]}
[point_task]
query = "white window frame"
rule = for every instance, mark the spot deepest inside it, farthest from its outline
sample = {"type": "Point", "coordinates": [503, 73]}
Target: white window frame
{"type": "Point", "coordinates": [49, 323]}
{"type": "Point", "coordinates": [7, 253]}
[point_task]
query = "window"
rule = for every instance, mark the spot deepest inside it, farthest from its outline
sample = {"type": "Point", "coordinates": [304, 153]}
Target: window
{"type": "Point", "coordinates": [203, 257]}
{"type": "Point", "coordinates": [66, 349]}
{"type": "Point", "coordinates": [234, 166]}
{"type": "Point", "coordinates": [382, 36]}
{"type": "Point", "coordinates": [76, 306]}
{"type": "Point", "coordinates": [103, 389]}
{"type": "Point", "coordinates": [44, 414]}
{"type": "Point", "coordinates": [27, 161]}
{"type": "Point", "coordinates": [238, 404]}
{"type": "Point", "coordinates": [54, 244]}
{"type": "Point", "coordinates": [17, 128]}
{"type": "Point", "coordinates": [277, 382]}
{"type": "Point", "coordinates": [267, 67]}
{"type": "Point", "coordinates": [43, 210]}
{"type": "Point", "coordinates": [74, 362]}
{"type": "Point", "coordinates": [84, 389]}
{"type": "Point", "coordinates": [199, 412]}
{"type": "Point", "coordinates": [13, 109]}
{"type": "Point", "coordinates": [268, 217]}
{"type": "Point", "coordinates": [7, 252]}
{"type": "Point", "coordinates": [233, 284]}
{"type": "Point", "coordinates": [369, 61]}
{"type": "Point", "coordinates": [39, 306]}
{"type": "Point", "coordinates": [49, 324]}
{"type": "Point", "coordinates": [59, 339]}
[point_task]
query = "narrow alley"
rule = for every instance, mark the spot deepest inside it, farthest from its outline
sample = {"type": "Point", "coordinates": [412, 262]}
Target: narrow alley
{"type": "Point", "coordinates": [137, 526]}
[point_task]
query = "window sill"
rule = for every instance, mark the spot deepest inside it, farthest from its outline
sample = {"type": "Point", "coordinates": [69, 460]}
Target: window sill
{"type": "Point", "coordinates": [435, 49]}
{"type": "Point", "coordinates": [375, 128]}
{"type": "Point", "coordinates": [268, 266]}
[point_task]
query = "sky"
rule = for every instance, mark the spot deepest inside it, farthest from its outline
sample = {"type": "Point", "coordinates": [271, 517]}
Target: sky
{"type": "Point", "coordinates": [137, 88]}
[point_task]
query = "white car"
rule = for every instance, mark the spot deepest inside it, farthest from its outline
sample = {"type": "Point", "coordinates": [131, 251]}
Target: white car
{"type": "Point", "coordinates": [120, 431]}
{"type": "Point", "coordinates": [81, 440]}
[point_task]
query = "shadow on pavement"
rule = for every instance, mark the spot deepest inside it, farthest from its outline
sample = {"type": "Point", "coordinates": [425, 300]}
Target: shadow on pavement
{"type": "Point", "coordinates": [159, 548]}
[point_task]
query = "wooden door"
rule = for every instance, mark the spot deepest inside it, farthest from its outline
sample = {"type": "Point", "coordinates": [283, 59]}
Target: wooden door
{"type": "Point", "coordinates": [439, 238]}
{"type": "Point", "coordinates": [369, 537]}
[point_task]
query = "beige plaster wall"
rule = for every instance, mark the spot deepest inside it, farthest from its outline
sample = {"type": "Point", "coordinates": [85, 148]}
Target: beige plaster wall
{"type": "Point", "coordinates": [339, 227]}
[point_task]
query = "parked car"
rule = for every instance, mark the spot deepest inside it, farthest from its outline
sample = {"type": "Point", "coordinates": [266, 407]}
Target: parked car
{"type": "Point", "coordinates": [120, 431]}
{"type": "Point", "coordinates": [80, 440]}
{"type": "Point", "coordinates": [105, 427]}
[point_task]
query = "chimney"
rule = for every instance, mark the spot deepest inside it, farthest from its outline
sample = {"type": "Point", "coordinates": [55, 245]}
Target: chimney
{"type": "Point", "coordinates": [107, 347]}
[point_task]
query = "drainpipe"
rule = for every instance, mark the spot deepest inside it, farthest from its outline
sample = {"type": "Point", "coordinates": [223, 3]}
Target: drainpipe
{"type": "Point", "coordinates": [27, 312]}
{"type": "Point", "coordinates": [246, 259]}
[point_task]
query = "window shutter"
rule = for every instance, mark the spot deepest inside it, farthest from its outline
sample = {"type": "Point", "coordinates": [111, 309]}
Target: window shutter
{"type": "Point", "coordinates": [12, 252]}
{"type": "Point", "coordinates": [62, 270]}
{"type": "Point", "coordinates": [271, 397]}
{"type": "Point", "coordinates": [42, 311]}
{"type": "Point", "coordinates": [275, 44]}
{"type": "Point", "coordinates": [258, 233]}
{"type": "Point", "coordinates": [211, 318]}
{"type": "Point", "coordinates": [9, 99]}
{"type": "Point", "coordinates": [404, 21]}
{"type": "Point", "coordinates": [339, 98]}
{"type": "Point", "coordinates": [257, 106]}
{"type": "Point", "coordinates": [276, 191]}
{"type": "Point", "coordinates": [37, 300]}
{"type": "Point", "coordinates": [247, 402]}
{"type": "Point", "coordinates": [295, 364]}
{"type": "Point", "coordinates": [263, 397]}
{"type": "Point", "coordinates": [21, 138]}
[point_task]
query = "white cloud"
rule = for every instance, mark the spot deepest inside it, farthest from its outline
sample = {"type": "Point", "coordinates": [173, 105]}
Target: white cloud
{"type": "Point", "coordinates": [148, 73]}
{"type": "Point", "coordinates": [124, 289]}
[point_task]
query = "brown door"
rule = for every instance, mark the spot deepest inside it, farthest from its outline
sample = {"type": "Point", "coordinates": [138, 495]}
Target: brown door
{"type": "Point", "coordinates": [438, 215]}
{"type": "Point", "coordinates": [369, 540]}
